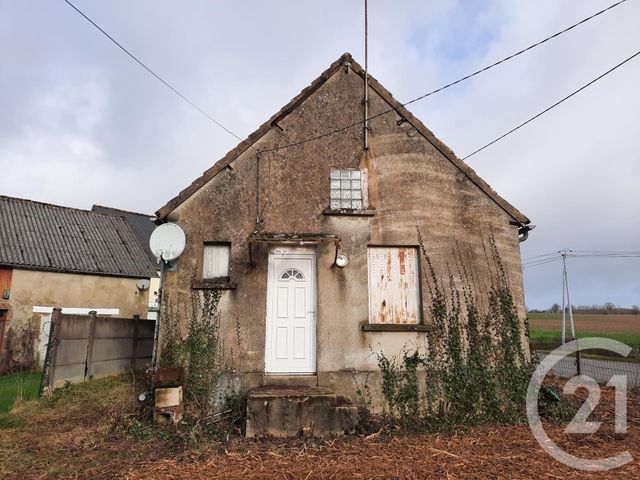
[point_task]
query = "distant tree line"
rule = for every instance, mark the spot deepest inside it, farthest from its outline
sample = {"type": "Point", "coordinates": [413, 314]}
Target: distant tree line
{"type": "Point", "coordinates": [607, 308]}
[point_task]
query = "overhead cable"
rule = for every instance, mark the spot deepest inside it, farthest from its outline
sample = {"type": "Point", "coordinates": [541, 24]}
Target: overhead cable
{"type": "Point", "coordinates": [148, 69]}
{"type": "Point", "coordinates": [444, 87]}
{"type": "Point", "coordinates": [554, 105]}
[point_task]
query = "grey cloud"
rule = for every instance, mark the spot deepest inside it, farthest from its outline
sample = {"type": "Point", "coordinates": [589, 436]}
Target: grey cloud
{"type": "Point", "coordinates": [83, 124]}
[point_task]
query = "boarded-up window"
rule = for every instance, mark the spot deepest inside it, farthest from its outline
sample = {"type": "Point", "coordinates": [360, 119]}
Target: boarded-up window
{"type": "Point", "coordinates": [394, 285]}
{"type": "Point", "coordinates": [215, 262]}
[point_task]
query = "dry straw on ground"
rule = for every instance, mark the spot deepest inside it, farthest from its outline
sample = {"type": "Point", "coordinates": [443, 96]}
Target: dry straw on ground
{"type": "Point", "coordinates": [93, 435]}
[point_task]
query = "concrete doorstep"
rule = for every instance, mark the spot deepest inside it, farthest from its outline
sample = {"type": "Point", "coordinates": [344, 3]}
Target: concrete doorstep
{"type": "Point", "coordinates": [291, 411]}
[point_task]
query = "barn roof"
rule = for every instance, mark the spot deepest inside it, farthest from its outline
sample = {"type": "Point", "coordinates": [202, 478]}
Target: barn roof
{"type": "Point", "coordinates": [41, 236]}
{"type": "Point", "coordinates": [141, 224]}
{"type": "Point", "coordinates": [345, 59]}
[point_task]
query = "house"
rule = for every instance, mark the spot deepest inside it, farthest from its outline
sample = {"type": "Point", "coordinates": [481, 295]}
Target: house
{"type": "Point", "coordinates": [314, 245]}
{"type": "Point", "coordinates": [53, 256]}
{"type": "Point", "coordinates": [142, 226]}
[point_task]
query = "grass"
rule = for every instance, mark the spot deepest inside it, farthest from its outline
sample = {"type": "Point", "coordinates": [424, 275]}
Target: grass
{"type": "Point", "coordinates": [13, 386]}
{"type": "Point", "coordinates": [549, 336]}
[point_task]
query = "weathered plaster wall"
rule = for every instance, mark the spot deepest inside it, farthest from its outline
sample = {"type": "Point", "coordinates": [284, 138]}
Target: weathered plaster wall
{"type": "Point", "coordinates": [411, 185]}
{"type": "Point", "coordinates": [34, 288]}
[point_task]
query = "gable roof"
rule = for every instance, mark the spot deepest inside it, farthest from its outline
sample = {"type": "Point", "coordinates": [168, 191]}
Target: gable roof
{"type": "Point", "coordinates": [40, 236]}
{"type": "Point", "coordinates": [141, 224]}
{"type": "Point", "coordinates": [345, 60]}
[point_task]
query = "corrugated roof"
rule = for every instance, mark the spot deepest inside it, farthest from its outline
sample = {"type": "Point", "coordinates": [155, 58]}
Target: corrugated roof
{"type": "Point", "coordinates": [141, 224]}
{"type": "Point", "coordinates": [41, 236]}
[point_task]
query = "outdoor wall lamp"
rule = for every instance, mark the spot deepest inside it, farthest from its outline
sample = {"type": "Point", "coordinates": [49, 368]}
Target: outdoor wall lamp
{"type": "Point", "coordinates": [342, 260]}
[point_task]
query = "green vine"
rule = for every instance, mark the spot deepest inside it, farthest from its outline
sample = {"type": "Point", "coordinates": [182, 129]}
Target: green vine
{"type": "Point", "coordinates": [475, 366]}
{"type": "Point", "coordinates": [199, 351]}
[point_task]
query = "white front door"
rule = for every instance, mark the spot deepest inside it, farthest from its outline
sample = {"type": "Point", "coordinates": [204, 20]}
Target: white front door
{"type": "Point", "coordinates": [290, 345]}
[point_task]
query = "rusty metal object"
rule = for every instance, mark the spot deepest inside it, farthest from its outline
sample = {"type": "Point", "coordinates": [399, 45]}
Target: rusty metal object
{"type": "Point", "coordinates": [174, 376]}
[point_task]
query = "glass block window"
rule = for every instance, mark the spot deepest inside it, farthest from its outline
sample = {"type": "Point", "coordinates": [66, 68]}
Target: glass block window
{"type": "Point", "coordinates": [346, 189]}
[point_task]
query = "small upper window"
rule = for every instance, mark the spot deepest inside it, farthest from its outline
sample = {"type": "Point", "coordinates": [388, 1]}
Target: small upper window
{"type": "Point", "coordinates": [215, 261]}
{"type": "Point", "coordinates": [346, 189]}
{"type": "Point", "coordinates": [292, 273]}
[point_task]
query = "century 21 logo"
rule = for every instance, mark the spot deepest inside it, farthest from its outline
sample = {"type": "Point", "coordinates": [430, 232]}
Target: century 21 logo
{"type": "Point", "coordinates": [579, 424]}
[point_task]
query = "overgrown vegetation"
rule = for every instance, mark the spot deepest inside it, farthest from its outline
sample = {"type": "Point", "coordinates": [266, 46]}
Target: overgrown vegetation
{"type": "Point", "coordinates": [18, 386]}
{"type": "Point", "coordinates": [199, 351]}
{"type": "Point", "coordinates": [474, 365]}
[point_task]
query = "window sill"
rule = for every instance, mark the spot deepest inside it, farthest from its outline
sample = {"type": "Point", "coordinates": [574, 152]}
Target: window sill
{"type": "Point", "coordinates": [349, 213]}
{"type": "Point", "coordinates": [395, 327]}
{"type": "Point", "coordinates": [213, 284]}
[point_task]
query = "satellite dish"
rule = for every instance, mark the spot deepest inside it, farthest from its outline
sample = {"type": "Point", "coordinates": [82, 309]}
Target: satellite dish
{"type": "Point", "coordinates": [167, 242]}
{"type": "Point", "coordinates": [143, 284]}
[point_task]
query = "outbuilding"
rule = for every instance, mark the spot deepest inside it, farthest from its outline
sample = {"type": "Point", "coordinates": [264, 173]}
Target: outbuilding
{"type": "Point", "coordinates": [53, 256]}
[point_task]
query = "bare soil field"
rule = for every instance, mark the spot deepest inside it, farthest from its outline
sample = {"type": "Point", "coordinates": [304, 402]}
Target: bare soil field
{"type": "Point", "coordinates": [588, 322]}
{"type": "Point", "coordinates": [94, 431]}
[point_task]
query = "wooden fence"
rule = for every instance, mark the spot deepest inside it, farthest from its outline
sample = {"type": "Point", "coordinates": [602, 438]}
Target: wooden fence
{"type": "Point", "coordinates": [84, 347]}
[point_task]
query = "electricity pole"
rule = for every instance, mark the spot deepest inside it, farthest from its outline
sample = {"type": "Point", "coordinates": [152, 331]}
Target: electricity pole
{"type": "Point", "coordinates": [565, 289]}
{"type": "Point", "coordinates": [366, 76]}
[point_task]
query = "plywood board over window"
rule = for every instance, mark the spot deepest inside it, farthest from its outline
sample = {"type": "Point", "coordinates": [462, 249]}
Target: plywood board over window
{"type": "Point", "coordinates": [394, 285]}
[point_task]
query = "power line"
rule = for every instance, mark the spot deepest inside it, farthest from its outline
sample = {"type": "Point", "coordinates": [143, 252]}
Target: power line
{"type": "Point", "coordinates": [553, 106]}
{"type": "Point", "coordinates": [451, 84]}
{"type": "Point", "coordinates": [607, 252]}
{"type": "Point", "coordinates": [605, 256]}
{"type": "Point", "coordinates": [541, 262]}
{"type": "Point", "coordinates": [576, 254]}
{"type": "Point", "coordinates": [148, 69]}
{"type": "Point", "coordinates": [539, 256]}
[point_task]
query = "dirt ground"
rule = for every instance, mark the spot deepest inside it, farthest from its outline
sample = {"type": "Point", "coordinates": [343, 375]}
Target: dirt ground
{"type": "Point", "coordinates": [92, 432]}
{"type": "Point", "coordinates": [589, 322]}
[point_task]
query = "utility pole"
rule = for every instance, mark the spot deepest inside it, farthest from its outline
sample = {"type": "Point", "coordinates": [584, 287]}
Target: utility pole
{"type": "Point", "coordinates": [565, 289]}
{"type": "Point", "coordinates": [366, 77]}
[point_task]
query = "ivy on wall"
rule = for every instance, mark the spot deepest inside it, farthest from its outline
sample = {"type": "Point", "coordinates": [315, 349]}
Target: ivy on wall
{"type": "Point", "coordinates": [199, 350]}
{"type": "Point", "coordinates": [474, 364]}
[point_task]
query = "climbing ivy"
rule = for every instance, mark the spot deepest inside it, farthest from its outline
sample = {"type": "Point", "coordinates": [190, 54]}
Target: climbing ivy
{"type": "Point", "coordinates": [199, 351]}
{"type": "Point", "coordinates": [474, 364]}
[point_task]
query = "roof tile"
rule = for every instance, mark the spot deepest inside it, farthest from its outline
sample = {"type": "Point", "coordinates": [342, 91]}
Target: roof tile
{"type": "Point", "coordinates": [41, 236]}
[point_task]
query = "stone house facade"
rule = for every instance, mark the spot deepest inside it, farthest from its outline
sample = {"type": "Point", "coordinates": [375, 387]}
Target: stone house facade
{"type": "Point", "coordinates": [272, 224]}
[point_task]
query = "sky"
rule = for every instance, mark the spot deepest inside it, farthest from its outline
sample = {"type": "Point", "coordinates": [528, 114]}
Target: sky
{"type": "Point", "coordinates": [82, 124]}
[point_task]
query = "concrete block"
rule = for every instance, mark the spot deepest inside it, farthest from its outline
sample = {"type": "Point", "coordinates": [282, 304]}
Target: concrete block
{"type": "Point", "coordinates": [295, 411]}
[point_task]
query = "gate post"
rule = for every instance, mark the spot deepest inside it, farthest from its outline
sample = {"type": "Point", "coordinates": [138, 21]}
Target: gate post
{"type": "Point", "coordinates": [49, 368]}
{"type": "Point", "coordinates": [88, 368]}
{"type": "Point", "coordinates": [134, 349]}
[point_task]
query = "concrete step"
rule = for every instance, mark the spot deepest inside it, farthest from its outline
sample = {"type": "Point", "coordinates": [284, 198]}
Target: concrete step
{"type": "Point", "coordinates": [290, 380]}
{"type": "Point", "coordinates": [289, 411]}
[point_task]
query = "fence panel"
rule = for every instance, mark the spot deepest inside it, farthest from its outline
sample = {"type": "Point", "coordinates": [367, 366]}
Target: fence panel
{"type": "Point", "coordinates": [599, 363]}
{"type": "Point", "coordinates": [83, 347]}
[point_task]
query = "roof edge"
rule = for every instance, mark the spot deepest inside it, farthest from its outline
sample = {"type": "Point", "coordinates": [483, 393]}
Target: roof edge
{"type": "Point", "coordinates": [129, 212]}
{"type": "Point", "coordinates": [512, 211]}
{"type": "Point", "coordinates": [345, 59]}
{"type": "Point", "coordinates": [243, 146]}
{"type": "Point", "coordinates": [38, 268]}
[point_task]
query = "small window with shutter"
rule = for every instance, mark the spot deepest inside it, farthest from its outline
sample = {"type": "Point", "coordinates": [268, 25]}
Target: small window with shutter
{"type": "Point", "coordinates": [215, 261]}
